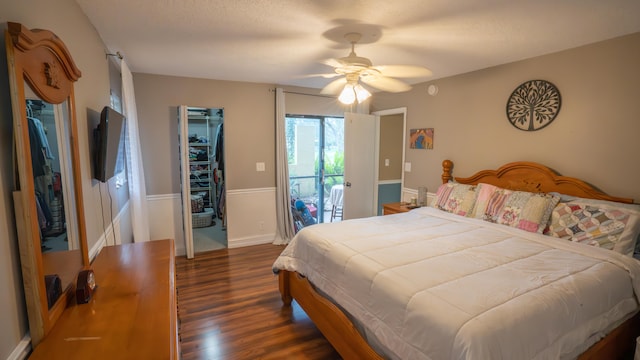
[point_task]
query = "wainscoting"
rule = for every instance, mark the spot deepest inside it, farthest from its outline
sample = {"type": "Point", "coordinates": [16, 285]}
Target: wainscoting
{"type": "Point", "coordinates": [251, 218]}
{"type": "Point", "coordinates": [408, 193]}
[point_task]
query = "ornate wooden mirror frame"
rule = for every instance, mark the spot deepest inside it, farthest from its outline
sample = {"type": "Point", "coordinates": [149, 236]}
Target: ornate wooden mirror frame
{"type": "Point", "coordinates": [39, 59]}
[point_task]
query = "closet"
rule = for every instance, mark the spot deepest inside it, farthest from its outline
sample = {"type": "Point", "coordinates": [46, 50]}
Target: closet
{"type": "Point", "coordinates": [202, 161]}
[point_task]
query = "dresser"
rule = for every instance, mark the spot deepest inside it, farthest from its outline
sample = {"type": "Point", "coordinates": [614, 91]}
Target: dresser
{"type": "Point", "coordinates": [132, 313]}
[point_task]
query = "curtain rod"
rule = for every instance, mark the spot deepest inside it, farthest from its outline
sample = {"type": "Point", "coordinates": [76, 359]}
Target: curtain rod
{"type": "Point", "coordinates": [299, 93]}
{"type": "Point", "coordinates": [117, 54]}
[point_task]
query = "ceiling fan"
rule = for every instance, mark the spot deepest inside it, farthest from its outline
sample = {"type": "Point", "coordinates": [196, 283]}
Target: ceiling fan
{"type": "Point", "coordinates": [354, 69]}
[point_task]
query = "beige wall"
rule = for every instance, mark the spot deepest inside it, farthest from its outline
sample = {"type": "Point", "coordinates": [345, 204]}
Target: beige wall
{"type": "Point", "coordinates": [391, 127]}
{"type": "Point", "coordinates": [66, 20]}
{"type": "Point", "coordinates": [594, 137]}
{"type": "Point", "coordinates": [249, 127]}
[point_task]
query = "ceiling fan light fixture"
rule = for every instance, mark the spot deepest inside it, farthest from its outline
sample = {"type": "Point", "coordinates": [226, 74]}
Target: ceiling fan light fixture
{"type": "Point", "coordinates": [348, 95]}
{"type": "Point", "coordinates": [362, 94]}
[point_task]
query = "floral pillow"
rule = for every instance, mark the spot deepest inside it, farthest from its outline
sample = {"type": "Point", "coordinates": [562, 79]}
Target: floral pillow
{"type": "Point", "coordinates": [455, 198]}
{"type": "Point", "coordinates": [521, 209]}
{"type": "Point", "coordinates": [609, 227]}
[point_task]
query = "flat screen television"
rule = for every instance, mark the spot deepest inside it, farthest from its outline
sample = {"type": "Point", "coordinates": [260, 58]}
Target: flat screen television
{"type": "Point", "coordinates": [109, 138]}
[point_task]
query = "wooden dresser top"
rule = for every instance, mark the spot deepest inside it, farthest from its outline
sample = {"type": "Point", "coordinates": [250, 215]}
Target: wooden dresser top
{"type": "Point", "coordinates": [132, 313]}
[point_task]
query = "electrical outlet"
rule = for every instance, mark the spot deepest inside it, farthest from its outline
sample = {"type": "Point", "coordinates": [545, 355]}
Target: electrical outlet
{"type": "Point", "coordinates": [386, 162]}
{"type": "Point", "coordinates": [261, 225]}
{"type": "Point", "coordinates": [407, 167]}
{"type": "Point", "coordinates": [260, 166]}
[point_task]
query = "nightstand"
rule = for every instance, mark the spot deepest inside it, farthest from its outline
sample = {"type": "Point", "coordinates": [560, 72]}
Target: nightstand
{"type": "Point", "coordinates": [395, 208]}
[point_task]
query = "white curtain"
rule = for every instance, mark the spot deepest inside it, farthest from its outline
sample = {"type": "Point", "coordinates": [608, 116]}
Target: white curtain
{"type": "Point", "coordinates": [285, 230]}
{"type": "Point", "coordinates": [135, 172]}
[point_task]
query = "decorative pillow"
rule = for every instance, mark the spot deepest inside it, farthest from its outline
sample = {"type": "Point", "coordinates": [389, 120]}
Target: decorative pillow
{"type": "Point", "coordinates": [455, 198]}
{"type": "Point", "coordinates": [520, 209]}
{"type": "Point", "coordinates": [610, 227]}
{"type": "Point", "coordinates": [483, 194]}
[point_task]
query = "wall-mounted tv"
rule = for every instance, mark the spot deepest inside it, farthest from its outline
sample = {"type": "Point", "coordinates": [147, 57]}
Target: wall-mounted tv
{"type": "Point", "coordinates": [109, 138]}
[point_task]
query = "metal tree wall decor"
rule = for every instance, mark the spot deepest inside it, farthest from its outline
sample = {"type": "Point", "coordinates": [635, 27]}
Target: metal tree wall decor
{"type": "Point", "coordinates": [533, 105]}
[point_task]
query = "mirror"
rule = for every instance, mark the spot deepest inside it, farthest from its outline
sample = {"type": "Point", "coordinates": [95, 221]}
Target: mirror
{"type": "Point", "coordinates": [48, 199]}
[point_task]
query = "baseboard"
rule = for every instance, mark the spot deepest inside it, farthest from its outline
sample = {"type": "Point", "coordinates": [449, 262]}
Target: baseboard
{"type": "Point", "coordinates": [252, 240]}
{"type": "Point", "coordinates": [22, 350]}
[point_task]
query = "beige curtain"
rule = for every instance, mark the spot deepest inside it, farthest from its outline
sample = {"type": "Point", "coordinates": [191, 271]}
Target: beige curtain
{"type": "Point", "coordinates": [135, 173]}
{"type": "Point", "coordinates": [285, 230]}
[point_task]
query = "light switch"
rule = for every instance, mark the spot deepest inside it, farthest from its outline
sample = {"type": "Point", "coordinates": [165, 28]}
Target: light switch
{"type": "Point", "coordinates": [259, 166]}
{"type": "Point", "coordinates": [407, 167]}
{"type": "Point", "coordinates": [386, 162]}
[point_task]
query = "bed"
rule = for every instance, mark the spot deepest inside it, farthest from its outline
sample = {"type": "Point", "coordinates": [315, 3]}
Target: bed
{"type": "Point", "coordinates": [447, 282]}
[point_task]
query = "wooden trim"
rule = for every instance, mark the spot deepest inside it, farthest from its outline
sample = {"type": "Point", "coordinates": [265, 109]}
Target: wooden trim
{"type": "Point", "coordinates": [447, 165]}
{"type": "Point", "coordinates": [394, 208]}
{"type": "Point", "coordinates": [329, 319]}
{"type": "Point", "coordinates": [43, 56]}
{"type": "Point", "coordinates": [534, 177]}
{"type": "Point", "coordinates": [132, 313]}
{"type": "Point", "coordinates": [525, 176]}
{"type": "Point", "coordinates": [39, 59]}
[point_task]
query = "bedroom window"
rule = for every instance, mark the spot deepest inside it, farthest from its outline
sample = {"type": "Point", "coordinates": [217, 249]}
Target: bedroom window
{"type": "Point", "coordinates": [315, 148]}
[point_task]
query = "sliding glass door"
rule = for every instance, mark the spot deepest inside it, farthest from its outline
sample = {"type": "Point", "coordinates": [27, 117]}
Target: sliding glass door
{"type": "Point", "coordinates": [315, 146]}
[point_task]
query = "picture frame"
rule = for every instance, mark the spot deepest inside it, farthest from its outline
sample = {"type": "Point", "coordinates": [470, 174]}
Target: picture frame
{"type": "Point", "coordinates": [421, 138]}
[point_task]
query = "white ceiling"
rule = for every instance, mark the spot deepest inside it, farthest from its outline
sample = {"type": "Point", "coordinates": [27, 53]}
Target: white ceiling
{"type": "Point", "coordinates": [285, 41]}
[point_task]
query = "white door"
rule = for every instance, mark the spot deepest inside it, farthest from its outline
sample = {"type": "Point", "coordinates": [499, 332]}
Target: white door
{"type": "Point", "coordinates": [359, 165]}
{"type": "Point", "coordinates": [183, 133]}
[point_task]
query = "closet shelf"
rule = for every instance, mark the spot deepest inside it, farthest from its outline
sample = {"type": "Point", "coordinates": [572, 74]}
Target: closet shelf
{"type": "Point", "coordinates": [199, 163]}
{"type": "Point", "coordinates": [200, 188]}
{"type": "Point", "coordinates": [201, 169]}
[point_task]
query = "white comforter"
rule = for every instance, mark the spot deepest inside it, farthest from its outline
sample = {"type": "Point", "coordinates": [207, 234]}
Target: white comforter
{"type": "Point", "coordinates": [431, 285]}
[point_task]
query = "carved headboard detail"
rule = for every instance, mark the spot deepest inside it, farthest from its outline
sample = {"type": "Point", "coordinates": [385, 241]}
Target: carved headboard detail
{"type": "Point", "coordinates": [531, 177]}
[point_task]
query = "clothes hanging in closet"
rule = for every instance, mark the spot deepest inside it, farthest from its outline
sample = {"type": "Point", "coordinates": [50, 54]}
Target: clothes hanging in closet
{"type": "Point", "coordinates": [219, 149]}
{"type": "Point", "coordinates": [36, 144]}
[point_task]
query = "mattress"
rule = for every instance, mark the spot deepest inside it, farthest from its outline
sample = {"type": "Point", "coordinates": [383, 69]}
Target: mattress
{"type": "Point", "coordinates": [427, 284]}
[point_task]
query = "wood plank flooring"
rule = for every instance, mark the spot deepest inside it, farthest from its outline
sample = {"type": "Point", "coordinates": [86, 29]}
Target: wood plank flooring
{"type": "Point", "coordinates": [229, 307]}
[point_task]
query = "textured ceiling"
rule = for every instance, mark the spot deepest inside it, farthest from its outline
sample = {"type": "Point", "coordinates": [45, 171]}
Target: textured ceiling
{"type": "Point", "coordinates": [285, 41]}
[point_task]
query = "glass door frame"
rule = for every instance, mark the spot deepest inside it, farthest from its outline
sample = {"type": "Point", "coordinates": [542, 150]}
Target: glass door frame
{"type": "Point", "coordinates": [319, 176]}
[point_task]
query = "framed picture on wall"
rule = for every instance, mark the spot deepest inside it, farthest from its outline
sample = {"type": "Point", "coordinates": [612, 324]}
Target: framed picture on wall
{"type": "Point", "coordinates": [421, 138]}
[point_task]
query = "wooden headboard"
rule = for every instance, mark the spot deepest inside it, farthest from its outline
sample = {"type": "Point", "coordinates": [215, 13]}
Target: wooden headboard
{"type": "Point", "coordinates": [531, 177]}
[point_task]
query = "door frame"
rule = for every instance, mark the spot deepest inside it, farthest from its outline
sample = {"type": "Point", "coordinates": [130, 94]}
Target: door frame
{"type": "Point", "coordinates": [185, 187]}
{"type": "Point", "coordinates": [378, 114]}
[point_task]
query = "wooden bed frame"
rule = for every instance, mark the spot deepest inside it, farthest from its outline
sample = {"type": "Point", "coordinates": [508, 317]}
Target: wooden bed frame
{"type": "Point", "coordinates": [524, 176]}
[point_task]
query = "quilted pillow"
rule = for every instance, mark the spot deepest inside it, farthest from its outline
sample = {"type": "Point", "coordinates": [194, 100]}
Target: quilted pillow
{"type": "Point", "coordinates": [609, 227]}
{"type": "Point", "coordinates": [520, 209]}
{"type": "Point", "coordinates": [455, 198]}
{"type": "Point", "coordinates": [483, 194]}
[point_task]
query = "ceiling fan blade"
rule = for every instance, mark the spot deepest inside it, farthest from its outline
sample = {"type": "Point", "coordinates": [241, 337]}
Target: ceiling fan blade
{"type": "Point", "coordinates": [326, 76]}
{"type": "Point", "coordinates": [333, 63]}
{"type": "Point", "coordinates": [385, 83]}
{"type": "Point", "coordinates": [334, 87]}
{"type": "Point", "coordinates": [403, 71]}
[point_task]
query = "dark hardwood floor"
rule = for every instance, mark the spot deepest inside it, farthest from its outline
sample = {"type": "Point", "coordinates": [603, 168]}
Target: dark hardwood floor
{"type": "Point", "coordinates": [229, 307]}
